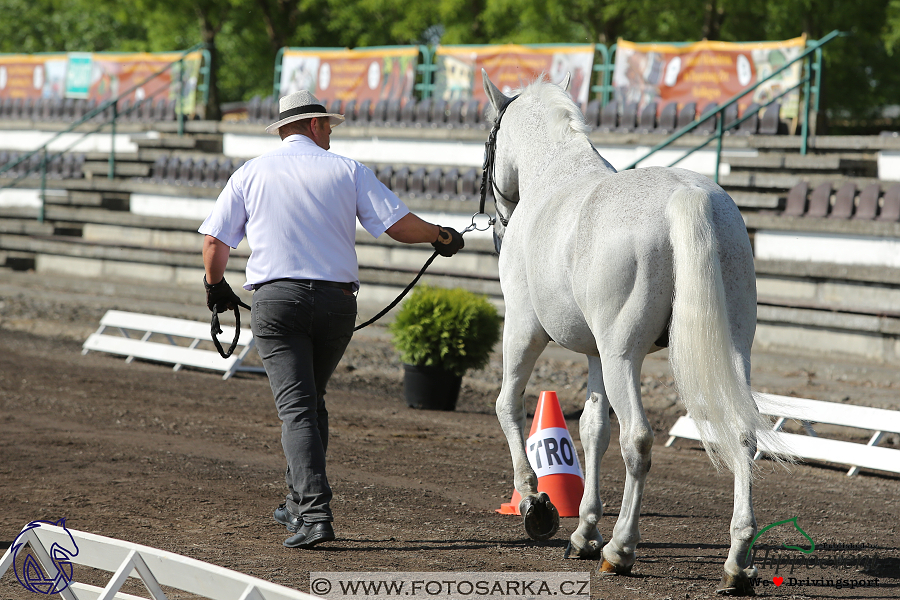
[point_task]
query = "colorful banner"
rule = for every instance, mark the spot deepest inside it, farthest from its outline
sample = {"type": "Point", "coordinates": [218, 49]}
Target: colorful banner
{"type": "Point", "coordinates": [381, 74]}
{"type": "Point", "coordinates": [510, 67]}
{"type": "Point", "coordinates": [112, 74]}
{"type": "Point", "coordinates": [32, 75]}
{"type": "Point", "coordinates": [98, 76]}
{"type": "Point", "coordinates": [705, 72]}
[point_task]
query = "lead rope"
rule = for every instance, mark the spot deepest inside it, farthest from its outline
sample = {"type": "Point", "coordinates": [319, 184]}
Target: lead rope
{"type": "Point", "coordinates": [214, 329]}
{"type": "Point", "coordinates": [471, 227]}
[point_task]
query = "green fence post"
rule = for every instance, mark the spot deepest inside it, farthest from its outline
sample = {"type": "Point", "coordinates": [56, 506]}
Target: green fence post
{"type": "Point", "coordinates": [112, 141]}
{"type": "Point", "coordinates": [180, 103]}
{"type": "Point", "coordinates": [608, 73]}
{"type": "Point", "coordinates": [43, 185]}
{"type": "Point", "coordinates": [720, 132]}
{"type": "Point", "coordinates": [276, 84]}
{"type": "Point", "coordinates": [817, 88]}
{"type": "Point", "coordinates": [804, 132]}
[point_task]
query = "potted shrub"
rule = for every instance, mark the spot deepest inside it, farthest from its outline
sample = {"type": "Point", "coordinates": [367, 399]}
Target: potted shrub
{"type": "Point", "coordinates": [440, 334]}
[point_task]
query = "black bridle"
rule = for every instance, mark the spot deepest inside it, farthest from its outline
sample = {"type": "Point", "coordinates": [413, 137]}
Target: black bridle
{"type": "Point", "coordinates": [487, 173]}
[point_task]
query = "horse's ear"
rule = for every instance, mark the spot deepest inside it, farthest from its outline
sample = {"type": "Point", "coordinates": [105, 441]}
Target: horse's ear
{"type": "Point", "coordinates": [497, 98]}
{"type": "Point", "coordinates": [567, 81]}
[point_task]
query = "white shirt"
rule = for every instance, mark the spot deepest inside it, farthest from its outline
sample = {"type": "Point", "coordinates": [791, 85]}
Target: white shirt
{"type": "Point", "coordinates": [298, 206]}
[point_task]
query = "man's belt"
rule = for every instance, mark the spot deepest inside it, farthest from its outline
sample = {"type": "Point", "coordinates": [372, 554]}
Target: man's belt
{"type": "Point", "coordinates": [311, 282]}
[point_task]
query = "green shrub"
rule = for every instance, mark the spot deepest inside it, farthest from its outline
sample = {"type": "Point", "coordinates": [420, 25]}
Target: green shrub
{"type": "Point", "coordinates": [452, 329]}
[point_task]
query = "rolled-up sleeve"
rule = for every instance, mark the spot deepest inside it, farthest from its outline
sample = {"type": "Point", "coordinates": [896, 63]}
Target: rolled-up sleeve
{"type": "Point", "coordinates": [228, 220]}
{"type": "Point", "coordinates": [377, 207]}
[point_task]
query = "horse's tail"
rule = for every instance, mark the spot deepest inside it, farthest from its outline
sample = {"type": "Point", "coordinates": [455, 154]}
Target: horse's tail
{"type": "Point", "coordinates": [702, 353]}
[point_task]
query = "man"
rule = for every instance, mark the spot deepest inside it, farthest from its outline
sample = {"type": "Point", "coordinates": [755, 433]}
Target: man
{"type": "Point", "coordinates": [298, 207]}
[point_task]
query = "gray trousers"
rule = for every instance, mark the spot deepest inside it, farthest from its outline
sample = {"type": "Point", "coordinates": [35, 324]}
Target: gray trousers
{"type": "Point", "coordinates": [302, 331]}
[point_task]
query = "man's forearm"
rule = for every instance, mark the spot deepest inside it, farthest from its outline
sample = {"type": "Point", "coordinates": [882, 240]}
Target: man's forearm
{"type": "Point", "coordinates": [215, 258]}
{"type": "Point", "coordinates": [413, 230]}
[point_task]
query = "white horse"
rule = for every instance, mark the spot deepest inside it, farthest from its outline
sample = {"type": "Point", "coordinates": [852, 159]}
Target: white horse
{"type": "Point", "coordinates": [615, 266]}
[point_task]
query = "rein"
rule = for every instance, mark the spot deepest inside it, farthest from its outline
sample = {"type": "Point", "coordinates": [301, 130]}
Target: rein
{"type": "Point", "coordinates": [215, 328]}
{"type": "Point", "coordinates": [487, 171]}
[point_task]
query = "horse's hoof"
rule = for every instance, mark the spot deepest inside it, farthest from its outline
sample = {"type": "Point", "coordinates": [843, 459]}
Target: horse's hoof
{"type": "Point", "coordinates": [580, 547]}
{"type": "Point", "coordinates": [735, 585]}
{"type": "Point", "coordinates": [540, 516]}
{"type": "Point", "coordinates": [607, 568]}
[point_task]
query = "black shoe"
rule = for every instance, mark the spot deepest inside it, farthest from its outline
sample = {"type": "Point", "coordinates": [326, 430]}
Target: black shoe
{"type": "Point", "coordinates": [284, 516]}
{"type": "Point", "coordinates": [310, 535]}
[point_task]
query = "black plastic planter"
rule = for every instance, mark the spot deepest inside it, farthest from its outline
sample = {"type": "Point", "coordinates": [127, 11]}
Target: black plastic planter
{"type": "Point", "coordinates": [430, 388]}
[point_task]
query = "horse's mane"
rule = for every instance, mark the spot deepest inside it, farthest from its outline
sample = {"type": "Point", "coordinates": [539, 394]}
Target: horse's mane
{"type": "Point", "coordinates": [564, 119]}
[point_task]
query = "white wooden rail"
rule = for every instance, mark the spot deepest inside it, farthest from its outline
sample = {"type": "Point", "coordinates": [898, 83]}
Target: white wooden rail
{"type": "Point", "coordinates": [870, 456]}
{"type": "Point", "coordinates": [155, 568]}
{"type": "Point", "coordinates": [153, 327]}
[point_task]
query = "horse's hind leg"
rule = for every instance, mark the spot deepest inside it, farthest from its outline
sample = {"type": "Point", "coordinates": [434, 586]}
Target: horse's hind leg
{"type": "Point", "coordinates": [621, 376]}
{"type": "Point", "coordinates": [523, 341]}
{"type": "Point", "coordinates": [586, 541]}
{"type": "Point", "coordinates": [739, 569]}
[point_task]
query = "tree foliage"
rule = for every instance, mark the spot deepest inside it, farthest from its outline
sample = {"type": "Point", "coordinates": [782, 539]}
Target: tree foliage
{"type": "Point", "coordinates": [861, 72]}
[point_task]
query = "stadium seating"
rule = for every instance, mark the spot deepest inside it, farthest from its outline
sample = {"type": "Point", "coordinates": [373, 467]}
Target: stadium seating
{"type": "Point", "coordinates": [796, 200]}
{"type": "Point", "coordinates": [819, 205]}
{"type": "Point", "coordinates": [628, 118]}
{"type": "Point", "coordinates": [771, 121]}
{"type": "Point", "coordinates": [843, 201]}
{"type": "Point", "coordinates": [647, 118]}
{"type": "Point", "coordinates": [750, 124]}
{"type": "Point", "coordinates": [819, 201]}
{"type": "Point", "coordinates": [609, 116]}
{"type": "Point", "coordinates": [890, 210]}
{"type": "Point", "coordinates": [667, 118]}
{"type": "Point", "coordinates": [686, 115]}
{"type": "Point", "coordinates": [707, 126]}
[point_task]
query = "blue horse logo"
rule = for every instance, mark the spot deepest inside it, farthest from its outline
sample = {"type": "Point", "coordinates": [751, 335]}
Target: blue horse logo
{"type": "Point", "coordinates": [32, 576]}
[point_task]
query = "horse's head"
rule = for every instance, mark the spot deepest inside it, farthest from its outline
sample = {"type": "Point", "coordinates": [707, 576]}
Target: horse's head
{"type": "Point", "coordinates": [545, 112]}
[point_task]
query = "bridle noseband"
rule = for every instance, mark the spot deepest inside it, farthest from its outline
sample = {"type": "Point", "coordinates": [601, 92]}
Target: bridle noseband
{"type": "Point", "coordinates": [487, 173]}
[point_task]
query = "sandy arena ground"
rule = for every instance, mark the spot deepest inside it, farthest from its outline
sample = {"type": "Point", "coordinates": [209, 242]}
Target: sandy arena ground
{"type": "Point", "coordinates": [188, 463]}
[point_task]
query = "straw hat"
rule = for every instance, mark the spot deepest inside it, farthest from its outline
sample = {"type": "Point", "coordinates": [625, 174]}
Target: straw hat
{"type": "Point", "coordinates": [301, 105]}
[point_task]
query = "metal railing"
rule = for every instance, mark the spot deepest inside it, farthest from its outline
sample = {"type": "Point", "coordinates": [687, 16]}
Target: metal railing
{"type": "Point", "coordinates": [810, 80]}
{"type": "Point", "coordinates": [111, 105]}
{"type": "Point", "coordinates": [604, 90]}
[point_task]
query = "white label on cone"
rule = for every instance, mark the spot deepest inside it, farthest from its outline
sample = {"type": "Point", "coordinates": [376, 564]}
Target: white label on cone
{"type": "Point", "coordinates": [551, 451]}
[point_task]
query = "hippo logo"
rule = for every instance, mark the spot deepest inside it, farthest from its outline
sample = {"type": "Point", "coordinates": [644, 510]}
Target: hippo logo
{"type": "Point", "coordinates": [29, 571]}
{"type": "Point", "coordinates": [812, 544]}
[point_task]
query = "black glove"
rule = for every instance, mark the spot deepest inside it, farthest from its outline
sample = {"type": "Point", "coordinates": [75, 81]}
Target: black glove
{"type": "Point", "coordinates": [449, 241]}
{"type": "Point", "coordinates": [220, 297]}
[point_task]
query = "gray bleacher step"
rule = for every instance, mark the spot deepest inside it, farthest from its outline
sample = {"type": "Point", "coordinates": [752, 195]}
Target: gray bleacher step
{"type": "Point", "coordinates": [204, 143]}
{"type": "Point", "coordinates": [864, 228]}
{"type": "Point", "coordinates": [829, 143]}
{"type": "Point", "coordinates": [489, 287]}
{"type": "Point", "coordinates": [77, 248]}
{"type": "Point", "coordinates": [115, 201]}
{"type": "Point", "coordinates": [756, 200]}
{"type": "Point", "coordinates": [819, 270]}
{"type": "Point", "coordinates": [828, 319]}
{"type": "Point", "coordinates": [151, 154]}
{"type": "Point", "coordinates": [25, 223]}
{"type": "Point", "coordinates": [17, 261]}
{"type": "Point", "coordinates": [784, 181]}
{"type": "Point", "coordinates": [123, 168]}
{"type": "Point", "coordinates": [104, 156]}
{"type": "Point", "coordinates": [72, 214]}
{"type": "Point", "coordinates": [809, 163]}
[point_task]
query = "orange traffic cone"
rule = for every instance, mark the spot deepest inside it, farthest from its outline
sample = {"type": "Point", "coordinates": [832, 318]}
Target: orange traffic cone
{"type": "Point", "coordinates": [553, 457]}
